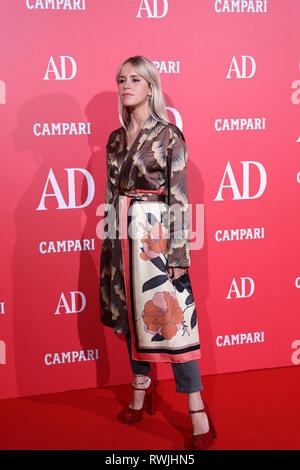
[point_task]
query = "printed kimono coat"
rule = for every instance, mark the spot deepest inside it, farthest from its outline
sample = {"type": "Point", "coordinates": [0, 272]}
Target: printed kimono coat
{"type": "Point", "coordinates": [137, 296]}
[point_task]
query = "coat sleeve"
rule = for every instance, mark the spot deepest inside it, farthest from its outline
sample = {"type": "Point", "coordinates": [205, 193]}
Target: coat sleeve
{"type": "Point", "coordinates": [109, 190]}
{"type": "Point", "coordinates": [179, 215]}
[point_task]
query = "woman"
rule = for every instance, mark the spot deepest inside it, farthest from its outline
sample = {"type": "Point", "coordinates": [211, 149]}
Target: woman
{"type": "Point", "coordinates": [145, 290]}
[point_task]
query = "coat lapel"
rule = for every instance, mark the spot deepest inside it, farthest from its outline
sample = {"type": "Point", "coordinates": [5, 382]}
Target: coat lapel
{"type": "Point", "coordinates": [146, 133]}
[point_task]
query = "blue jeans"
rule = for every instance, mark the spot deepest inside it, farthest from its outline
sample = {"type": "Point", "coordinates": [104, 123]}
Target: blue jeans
{"type": "Point", "coordinates": [186, 374]}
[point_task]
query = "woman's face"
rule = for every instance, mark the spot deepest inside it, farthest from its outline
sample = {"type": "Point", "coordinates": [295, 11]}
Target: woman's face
{"type": "Point", "coordinates": [134, 90]}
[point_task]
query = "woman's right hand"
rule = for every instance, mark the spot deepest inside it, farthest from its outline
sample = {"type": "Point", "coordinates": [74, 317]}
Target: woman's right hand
{"type": "Point", "coordinates": [176, 272]}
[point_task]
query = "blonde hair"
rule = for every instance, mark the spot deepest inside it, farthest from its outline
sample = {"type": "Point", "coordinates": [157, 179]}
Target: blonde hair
{"type": "Point", "coordinates": [149, 72]}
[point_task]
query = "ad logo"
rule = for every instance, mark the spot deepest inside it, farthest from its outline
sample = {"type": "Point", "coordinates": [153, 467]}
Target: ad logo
{"type": "Point", "coordinates": [71, 189]}
{"type": "Point", "coordinates": [60, 71]}
{"type": "Point", "coordinates": [178, 118]}
{"type": "Point", "coordinates": [241, 70]}
{"type": "Point", "coordinates": [153, 13]}
{"type": "Point", "coordinates": [246, 183]}
{"type": "Point", "coordinates": [71, 307]}
{"type": "Point", "coordinates": [242, 293]}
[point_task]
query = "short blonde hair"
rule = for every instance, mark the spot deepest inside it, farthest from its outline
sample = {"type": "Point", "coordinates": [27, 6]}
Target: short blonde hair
{"type": "Point", "coordinates": [149, 72]}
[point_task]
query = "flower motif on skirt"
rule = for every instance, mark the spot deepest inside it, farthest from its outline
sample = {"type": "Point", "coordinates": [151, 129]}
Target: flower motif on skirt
{"type": "Point", "coordinates": [162, 315]}
{"type": "Point", "coordinates": [155, 242]}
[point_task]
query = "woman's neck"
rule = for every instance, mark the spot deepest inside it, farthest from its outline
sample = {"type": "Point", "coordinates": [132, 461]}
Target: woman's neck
{"type": "Point", "coordinates": [138, 117]}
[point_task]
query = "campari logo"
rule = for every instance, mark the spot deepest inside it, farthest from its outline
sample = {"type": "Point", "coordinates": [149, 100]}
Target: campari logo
{"type": "Point", "coordinates": [234, 234]}
{"type": "Point", "coordinates": [167, 66]}
{"type": "Point", "coordinates": [61, 128]}
{"type": "Point", "coordinates": [56, 4]}
{"type": "Point", "coordinates": [240, 124]}
{"type": "Point", "coordinates": [240, 339]}
{"type": "Point", "coordinates": [241, 6]}
{"type": "Point", "coordinates": [52, 359]}
{"type": "Point", "coordinates": [66, 246]}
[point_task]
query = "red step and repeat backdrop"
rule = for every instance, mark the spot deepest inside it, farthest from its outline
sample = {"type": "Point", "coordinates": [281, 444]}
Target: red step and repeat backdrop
{"type": "Point", "coordinates": [231, 78]}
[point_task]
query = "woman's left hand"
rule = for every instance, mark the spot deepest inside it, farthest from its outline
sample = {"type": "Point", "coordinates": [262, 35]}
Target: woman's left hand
{"type": "Point", "coordinates": [175, 273]}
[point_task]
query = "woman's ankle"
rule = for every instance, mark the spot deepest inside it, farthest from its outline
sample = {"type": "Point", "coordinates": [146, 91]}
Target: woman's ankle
{"type": "Point", "coordinates": [195, 401]}
{"type": "Point", "coordinates": [140, 385]}
{"type": "Point", "coordinates": [141, 382]}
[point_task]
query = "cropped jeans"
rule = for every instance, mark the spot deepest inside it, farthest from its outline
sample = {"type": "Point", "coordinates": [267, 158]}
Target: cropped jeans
{"type": "Point", "coordinates": [186, 374]}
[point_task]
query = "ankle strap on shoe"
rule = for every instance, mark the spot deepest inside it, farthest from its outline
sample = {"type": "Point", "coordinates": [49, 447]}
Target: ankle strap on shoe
{"type": "Point", "coordinates": [197, 411]}
{"type": "Point", "coordinates": [143, 380]}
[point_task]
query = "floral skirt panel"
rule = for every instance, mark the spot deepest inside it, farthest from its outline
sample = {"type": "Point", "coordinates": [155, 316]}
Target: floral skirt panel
{"type": "Point", "coordinates": [162, 313]}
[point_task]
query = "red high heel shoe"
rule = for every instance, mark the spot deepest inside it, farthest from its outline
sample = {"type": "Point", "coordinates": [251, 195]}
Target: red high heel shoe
{"type": "Point", "coordinates": [129, 415]}
{"type": "Point", "coordinates": [204, 441]}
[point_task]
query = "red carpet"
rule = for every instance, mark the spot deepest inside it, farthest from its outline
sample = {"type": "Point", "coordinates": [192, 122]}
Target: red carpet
{"type": "Point", "coordinates": [252, 410]}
